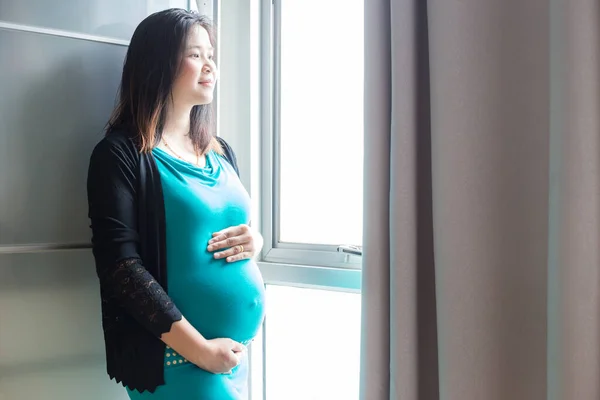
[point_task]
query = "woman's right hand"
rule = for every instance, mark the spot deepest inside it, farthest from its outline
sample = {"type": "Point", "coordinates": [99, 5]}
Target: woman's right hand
{"type": "Point", "coordinates": [220, 356]}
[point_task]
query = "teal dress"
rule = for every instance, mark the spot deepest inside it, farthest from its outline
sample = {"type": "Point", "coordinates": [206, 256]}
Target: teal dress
{"type": "Point", "coordinates": [220, 299]}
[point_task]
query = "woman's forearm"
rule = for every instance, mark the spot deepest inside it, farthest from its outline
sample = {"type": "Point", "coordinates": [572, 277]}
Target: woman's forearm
{"type": "Point", "coordinates": [184, 339]}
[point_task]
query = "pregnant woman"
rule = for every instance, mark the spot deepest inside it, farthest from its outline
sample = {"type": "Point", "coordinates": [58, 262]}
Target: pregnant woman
{"type": "Point", "coordinates": [181, 294]}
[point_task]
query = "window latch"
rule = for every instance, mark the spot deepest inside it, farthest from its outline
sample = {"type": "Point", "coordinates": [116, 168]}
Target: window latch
{"type": "Point", "coordinates": [350, 249]}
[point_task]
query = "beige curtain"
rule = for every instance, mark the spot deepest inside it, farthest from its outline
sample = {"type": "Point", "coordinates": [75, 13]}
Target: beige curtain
{"type": "Point", "coordinates": [482, 200]}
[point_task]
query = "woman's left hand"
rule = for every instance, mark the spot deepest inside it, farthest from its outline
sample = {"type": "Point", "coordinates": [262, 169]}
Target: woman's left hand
{"type": "Point", "coordinates": [239, 241]}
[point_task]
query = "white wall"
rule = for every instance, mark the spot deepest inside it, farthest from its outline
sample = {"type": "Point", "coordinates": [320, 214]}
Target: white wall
{"type": "Point", "coordinates": [238, 89]}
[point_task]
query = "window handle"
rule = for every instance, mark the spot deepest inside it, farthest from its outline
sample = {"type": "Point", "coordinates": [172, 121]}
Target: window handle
{"type": "Point", "coordinates": [350, 249]}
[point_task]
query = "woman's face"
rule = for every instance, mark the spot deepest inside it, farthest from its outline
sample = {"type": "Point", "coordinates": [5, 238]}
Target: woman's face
{"type": "Point", "coordinates": [198, 74]}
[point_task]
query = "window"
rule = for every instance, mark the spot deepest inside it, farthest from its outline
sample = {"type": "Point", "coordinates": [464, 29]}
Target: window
{"type": "Point", "coordinates": [312, 146]}
{"type": "Point", "coordinates": [315, 98]}
{"type": "Point", "coordinates": [320, 125]}
{"type": "Point", "coordinates": [313, 344]}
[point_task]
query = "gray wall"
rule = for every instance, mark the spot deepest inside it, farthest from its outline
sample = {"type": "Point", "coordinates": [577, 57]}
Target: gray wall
{"type": "Point", "coordinates": [60, 64]}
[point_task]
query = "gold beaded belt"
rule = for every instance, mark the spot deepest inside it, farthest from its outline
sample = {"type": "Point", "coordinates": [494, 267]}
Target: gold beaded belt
{"type": "Point", "coordinates": [173, 358]}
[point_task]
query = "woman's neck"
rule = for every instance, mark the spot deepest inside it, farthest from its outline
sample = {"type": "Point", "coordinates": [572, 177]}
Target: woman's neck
{"type": "Point", "coordinates": [177, 125]}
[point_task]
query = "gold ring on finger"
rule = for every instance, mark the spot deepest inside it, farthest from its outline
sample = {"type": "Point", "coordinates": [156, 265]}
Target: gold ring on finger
{"type": "Point", "coordinates": [241, 246]}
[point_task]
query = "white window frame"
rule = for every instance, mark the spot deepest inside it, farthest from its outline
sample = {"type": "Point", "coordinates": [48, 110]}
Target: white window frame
{"type": "Point", "coordinates": [275, 251]}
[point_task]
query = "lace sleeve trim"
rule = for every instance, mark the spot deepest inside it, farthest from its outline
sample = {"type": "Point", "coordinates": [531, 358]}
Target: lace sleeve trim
{"type": "Point", "coordinates": [142, 296]}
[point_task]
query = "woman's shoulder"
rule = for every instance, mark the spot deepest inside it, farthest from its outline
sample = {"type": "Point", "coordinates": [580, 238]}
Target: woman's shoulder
{"type": "Point", "coordinates": [122, 138]}
{"type": "Point", "coordinates": [114, 158]}
{"type": "Point", "coordinates": [117, 143]}
{"type": "Point", "coordinates": [228, 153]}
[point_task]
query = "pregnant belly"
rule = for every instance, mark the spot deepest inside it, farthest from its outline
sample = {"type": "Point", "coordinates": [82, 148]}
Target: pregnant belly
{"type": "Point", "coordinates": [221, 299]}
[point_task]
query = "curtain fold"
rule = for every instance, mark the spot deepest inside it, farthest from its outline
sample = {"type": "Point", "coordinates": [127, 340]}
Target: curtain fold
{"type": "Point", "coordinates": [574, 219]}
{"type": "Point", "coordinates": [482, 200]}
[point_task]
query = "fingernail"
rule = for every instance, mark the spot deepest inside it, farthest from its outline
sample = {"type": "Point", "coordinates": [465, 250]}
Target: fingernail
{"type": "Point", "coordinates": [209, 248]}
{"type": "Point", "coordinates": [211, 241]}
{"type": "Point", "coordinates": [217, 255]}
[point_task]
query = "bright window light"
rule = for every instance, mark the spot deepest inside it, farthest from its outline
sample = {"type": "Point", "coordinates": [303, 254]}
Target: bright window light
{"type": "Point", "coordinates": [312, 344]}
{"type": "Point", "coordinates": [321, 159]}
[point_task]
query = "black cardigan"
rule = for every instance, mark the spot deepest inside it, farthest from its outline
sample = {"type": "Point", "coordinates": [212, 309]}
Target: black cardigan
{"type": "Point", "coordinates": [126, 209]}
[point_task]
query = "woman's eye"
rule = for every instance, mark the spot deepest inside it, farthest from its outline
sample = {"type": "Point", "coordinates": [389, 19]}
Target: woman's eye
{"type": "Point", "coordinates": [196, 55]}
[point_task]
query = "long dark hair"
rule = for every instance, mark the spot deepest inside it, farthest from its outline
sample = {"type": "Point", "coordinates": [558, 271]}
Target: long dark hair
{"type": "Point", "coordinates": [151, 66]}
